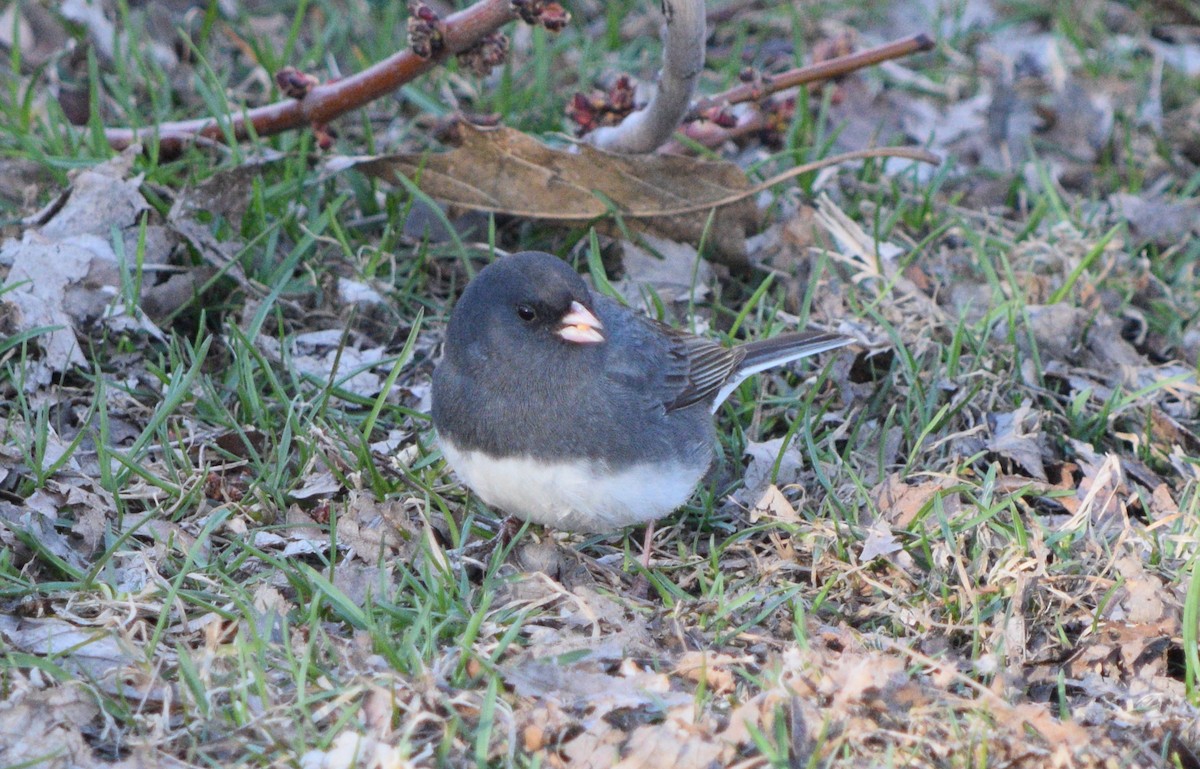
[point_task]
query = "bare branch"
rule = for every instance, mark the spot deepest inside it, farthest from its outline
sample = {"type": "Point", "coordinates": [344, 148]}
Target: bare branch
{"type": "Point", "coordinates": [813, 73]}
{"type": "Point", "coordinates": [324, 102]}
{"type": "Point", "coordinates": [712, 134]}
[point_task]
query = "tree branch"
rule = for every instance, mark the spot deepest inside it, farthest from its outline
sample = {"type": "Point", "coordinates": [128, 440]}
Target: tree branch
{"type": "Point", "coordinates": [315, 104]}
{"type": "Point", "coordinates": [326, 101]}
{"type": "Point", "coordinates": [813, 73]}
{"type": "Point", "coordinates": [711, 134]}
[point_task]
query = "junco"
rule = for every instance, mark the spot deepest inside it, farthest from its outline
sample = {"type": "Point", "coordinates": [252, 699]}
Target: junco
{"type": "Point", "coordinates": [563, 407]}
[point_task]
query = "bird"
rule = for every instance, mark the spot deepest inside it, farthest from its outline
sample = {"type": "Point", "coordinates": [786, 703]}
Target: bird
{"type": "Point", "coordinates": [560, 406]}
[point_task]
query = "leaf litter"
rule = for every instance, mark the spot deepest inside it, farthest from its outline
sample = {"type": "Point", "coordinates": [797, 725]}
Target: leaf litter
{"type": "Point", "coordinates": [874, 608]}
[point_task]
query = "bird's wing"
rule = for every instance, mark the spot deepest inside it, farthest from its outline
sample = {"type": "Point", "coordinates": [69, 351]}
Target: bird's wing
{"type": "Point", "coordinates": [663, 367]}
{"type": "Point", "coordinates": [701, 368]}
{"type": "Point", "coordinates": [657, 366]}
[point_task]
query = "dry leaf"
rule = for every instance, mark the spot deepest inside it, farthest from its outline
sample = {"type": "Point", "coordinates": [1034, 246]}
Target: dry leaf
{"type": "Point", "coordinates": [352, 750]}
{"type": "Point", "coordinates": [110, 661]}
{"type": "Point", "coordinates": [672, 744]}
{"type": "Point", "coordinates": [330, 355]}
{"type": "Point", "coordinates": [1013, 439]}
{"type": "Point", "coordinates": [674, 272]}
{"type": "Point", "coordinates": [713, 669]}
{"type": "Point", "coordinates": [595, 748]}
{"type": "Point", "coordinates": [763, 455]}
{"type": "Point", "coordinates": [899, 503]}
{"type": "Point", "coordinates": [43, 728]}
{"type": "Point", "coordinates": [583, 686]}
{"type": "Point", "coordinates": [1160, 221]}
{"type": "Point", "coordinates": [880, 542]}
{"type": "Point", "coordinates": [66, 273]}
{"type": "Point", "coordinates": [507, 172]}
{"type": "Point", "coordinates": [773, 505]}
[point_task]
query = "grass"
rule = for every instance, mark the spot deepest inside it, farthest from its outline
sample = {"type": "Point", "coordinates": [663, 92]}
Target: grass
{"type": "Point", "coordinates": [281, 567]}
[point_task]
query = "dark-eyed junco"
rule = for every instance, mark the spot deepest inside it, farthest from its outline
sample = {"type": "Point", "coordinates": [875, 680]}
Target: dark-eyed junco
{"type": "Point", "coordinates": [563, 407]}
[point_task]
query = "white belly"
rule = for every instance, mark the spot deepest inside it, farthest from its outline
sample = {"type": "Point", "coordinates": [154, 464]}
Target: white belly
{"type": "Point", "coordinates": [573, 496]}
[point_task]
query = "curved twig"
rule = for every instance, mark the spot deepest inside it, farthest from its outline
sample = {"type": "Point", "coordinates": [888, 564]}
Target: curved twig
{"type": "Point", "coordinates": [683, 60]}
{"type": "Point", "coordinates": [711, 134]}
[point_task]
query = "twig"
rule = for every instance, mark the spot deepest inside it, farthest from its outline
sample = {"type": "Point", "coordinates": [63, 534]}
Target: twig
{"type": "Point", "coordinates": [683, 60]}
{"type": "Point", "coordinates": [326, 101]}
{"type": "Point", "coordinates": [316, 104]}
{"type": "Point", "coordinates": [910, 153]}
{"type": "Point", "coordinates": [825, 70]}
{"type": "Point", "coordinates": [710, 134]}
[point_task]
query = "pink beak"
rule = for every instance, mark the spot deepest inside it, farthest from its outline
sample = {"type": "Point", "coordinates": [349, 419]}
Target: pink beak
{"type": "Point", "coordinates": [579, 325]}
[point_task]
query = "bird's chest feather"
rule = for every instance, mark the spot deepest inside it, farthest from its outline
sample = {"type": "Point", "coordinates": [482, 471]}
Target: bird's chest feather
{"type": "Point", "coordinates": [574, 494]}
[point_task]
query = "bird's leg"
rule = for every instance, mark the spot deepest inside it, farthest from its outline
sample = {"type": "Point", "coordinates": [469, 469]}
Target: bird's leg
{"type": "Point", "coordinates": [648, 546]}
{"type": "Point", "coordinates": [641, 584]}
{"type": "Point", "coordinates": [508, 530]}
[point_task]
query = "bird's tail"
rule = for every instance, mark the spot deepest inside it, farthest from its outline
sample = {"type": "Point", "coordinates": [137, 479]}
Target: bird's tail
{"type": "Point", "coordinates": [763, 354]}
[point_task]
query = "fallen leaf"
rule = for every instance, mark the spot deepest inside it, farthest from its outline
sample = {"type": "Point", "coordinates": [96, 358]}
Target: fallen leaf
{"type": "Point", "coordinates": [1013, 439]}
{"type": "Point", "coordinates": [714, 670]}
{"type": "Point", "coordinates": [1141, 600]}
{"type": "Point", "coordinates": [43, 728]}
{"type": "Point", "coordinates": [102, 657]}
{"type": "Point", "coordinates": [672, 744]}
{"type": "Point", "coordinates": [1162, 222]}
{"type": "Point", "coordinates": [504, 171]}
{"type": "Point", "coordinates": [583, 685]}
{"type": "Point", "coordinates": [774, 506]}
{"type": "Point", "coordinates": [328, 356]}
{"type": "Point", "coordinates": [65, 271]}
{"type": "Point", "coordinates": [880, 542]}
{"type": "Point", "coordinates": [763, 456]}
{"type": "Point", "coordinates": [674, 272]}
{"type": "Point", "coordinates": [900, 503]}
{"type": "Point", "coordinates": [353, 750]}
{"type": "Point", "coordinates": [596, 748]}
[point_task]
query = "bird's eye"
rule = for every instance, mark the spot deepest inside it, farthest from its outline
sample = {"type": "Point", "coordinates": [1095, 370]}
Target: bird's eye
{"type": "Point", "coordinates": [525, 312]}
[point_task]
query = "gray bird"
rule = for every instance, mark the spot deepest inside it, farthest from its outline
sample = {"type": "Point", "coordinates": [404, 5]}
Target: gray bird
{"type": "Point", "coordinates": [563, 407]}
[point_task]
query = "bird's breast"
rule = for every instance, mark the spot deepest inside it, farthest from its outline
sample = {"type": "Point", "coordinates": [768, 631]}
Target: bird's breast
{"type": "Point", "coordinates": [575, 494]}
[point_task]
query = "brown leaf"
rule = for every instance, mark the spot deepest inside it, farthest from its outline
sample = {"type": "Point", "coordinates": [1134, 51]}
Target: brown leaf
{"type": "Point", "coordinates": [899, 502]}
{"type": "Point", "coordinates": [775, 506]}
{"type": "Point", "coordinates": [1121, 650]}
{"type": "Point", "coordinates": [671, 743]}
{"type": "Point", "coordinates": [504, 171]}
{"type": "Point", "coordinates": [375, 529]}
{"type": "Point", "coordinates": [1015, 437]}
{"type": "Point", "coordinates": [714, 670]}
{"type": "Point", "coordinates": [584, 685]}
{"type": "Point", "coordinates": [1038, 717]}
{"type": "Point", "coordinates": [42, 728]}
{"type": "Point", "coordinates": [1141, 599]}
{"type": "Point", "coordinates": [596, 748]}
